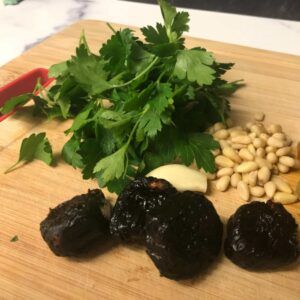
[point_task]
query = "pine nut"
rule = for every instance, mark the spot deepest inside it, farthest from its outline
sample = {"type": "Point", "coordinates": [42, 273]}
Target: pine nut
{"type": "Point", "coordinates": [219, 126]}
{"type": "Point", "coordinates": [210, 176]}
{"type": "Point", "coordinates": [241, 139]}
{"type": "Point", "coordinates": [283, 151]}
{"type": "Point", "coordinates": [243, 191]}
{"type": "Point", "coordinates": [270, 189]}
{"type": "Point", "coordinates": [281, 185]}
{"type": "Point", "coordinates": [216, 152]}
{"type": "Point", "coordinates": [275, 142]}
{"type": "Point", "coordinates": [235, 128]}
{"type": "Point", "coordinates": [283, 168]}
{"type": "Point", "coordinates": [257, 191]}
{"type": "Point", "coordinates": [223, 144]}
{"type": "Point", "coordinates": [285, 198]}
{"type": "Point", "coordinates": [259, 116]}
{"type": "Point", "coordinates": [260, 152]}
{"type": "Point", "coordinates": [252, 135]}
{"type": "Point", "coordinates": [223, 183]}
{"type": "Point", "coordinates": [235, 179]}
{"type": "Point", "coordinates": [264, 136]}
{"type": "Point", "coordinates": [263, 175]}
{"type": "Point", "coordinates": [279, 136]}
{"type": "Point", "coordinates": [272, 158]}
{"type": "Point", "coordinates": [251, 149]}
{"type": "Point", "coordinates": [224, 161]}
{"type": "Point", "coordinates": [287, 161]}
{"type": "Point", "coordinates": [249, 125]}
{"type": "Point", "coordinates": [274, 128]}
{"type": "Point", "coordinates": [254, 128]}
{"type": "Point", "coordinates": [259, 143]}
{"type": "Point", "coordinates": [245, 154]}
{"type": "Point", "coordinates": [270, 149]}
{"type": "Point", "coordinates": [224, 172]}
{"type": "Point", "coordinates": [230, 153]}
{"type": "Point", "coordinates": [252, 178]}
{"type": "Point", "coordinates": [238, 146]}
{"type": "Point", "coordinates": [263, 162]}
{"type": "Point", "coordinates": [246, 167]}
{"type": "Point", "coordinates": [221, 134]}
{"type": "Point", "coordinates": [245, 177]}
{"type": "Point", "coordinates": [236, 133]}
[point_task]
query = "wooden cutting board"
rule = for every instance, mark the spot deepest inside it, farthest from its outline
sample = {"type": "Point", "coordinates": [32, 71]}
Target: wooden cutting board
{"type": "Point", "coordinates": [28, 270]}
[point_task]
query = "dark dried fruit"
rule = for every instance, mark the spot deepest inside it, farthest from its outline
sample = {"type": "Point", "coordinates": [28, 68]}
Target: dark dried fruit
{"type": "Point", "coordinates": [185, 237]}
{"type": "Point", "coordinates": [135, 202]}
{"type": "Point", "coordinates": [261, 236]}
{"type": "Point", "coordinates": [75, 224]}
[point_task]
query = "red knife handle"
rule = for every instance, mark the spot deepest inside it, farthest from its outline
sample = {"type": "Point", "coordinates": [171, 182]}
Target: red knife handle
{"type": "Point", "coordinates": [23, 84]}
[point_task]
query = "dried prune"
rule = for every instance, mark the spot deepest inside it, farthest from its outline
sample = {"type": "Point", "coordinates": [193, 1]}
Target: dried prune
{"type": "Point", "coordinates": [261, 236]}
{"type": "Point", "coordinates": [185, 236]}
{"type": "Point", "coordinates": [138, 199]}
{"type": "Point", "coordinates": [75, 224]}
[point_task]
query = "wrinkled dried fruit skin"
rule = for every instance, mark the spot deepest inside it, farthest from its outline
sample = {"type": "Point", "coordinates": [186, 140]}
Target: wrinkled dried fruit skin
{"type": "Point", "coordinates": [185, 237]}
{"type": "Point", "coordinates": [261, 236]}
{"type": "Point", "coordinates": [135, 202]}
{"type": "Point", "coordinates": [75, 224]}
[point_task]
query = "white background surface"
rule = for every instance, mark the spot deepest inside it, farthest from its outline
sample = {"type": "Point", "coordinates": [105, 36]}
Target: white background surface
{"type": "Point", "coordinates": [31, 21]}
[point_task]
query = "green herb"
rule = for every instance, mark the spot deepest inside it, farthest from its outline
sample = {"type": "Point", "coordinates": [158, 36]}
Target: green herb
{"type": "Point", "coordinates": [136, 105]}
{"type": "Point", "coordinates": [35, 146]}
{"type": "Point", "coordinates": [14, 239]}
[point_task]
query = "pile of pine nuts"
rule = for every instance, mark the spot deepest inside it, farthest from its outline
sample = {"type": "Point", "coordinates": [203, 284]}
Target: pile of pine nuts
{"type": "Point", "coordinates": [251, 158]}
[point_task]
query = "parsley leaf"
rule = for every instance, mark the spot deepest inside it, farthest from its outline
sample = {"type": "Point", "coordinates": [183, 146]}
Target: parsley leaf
{"type": "Point", "coordinates": [58, 69]}
{"type": "Point", "coordinates": [81, 119]}
{"type": "Point", "coordinates": [198, 146]}
{"type": "Point", "coordinates": [88, 71]}
{"type": "Point", "coordinates": [180, 23]}
{"type": "Point", "coordinates": [184, 146]}
{"type": "Point", "coordinates": [36, 146]}
{"type": "Point", "coordinates": [14, 102]}
{"type": "Point", "coordinates": [14, 239]}
{"type": "Point", "coordinates": [70, 152]}
{"type": "Point", "coordinates": [136, 104]}
{"type": "Point", "coordinates": [195, 66]}
{"type": "Point", "coordinates": [117, 50]}
{"type": "Point", "coordinates": [168, 12]}
{"type": "Point", "coordinates": [112, 166]}
{"type": "Point", "coordinates": [151, 121]}
{"type": "Point", "coordinates": [159, 42]}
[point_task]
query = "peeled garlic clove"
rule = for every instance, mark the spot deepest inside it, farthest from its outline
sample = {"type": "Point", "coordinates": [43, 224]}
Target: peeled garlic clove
{"type": "Point", "coordinates": [181, 177]}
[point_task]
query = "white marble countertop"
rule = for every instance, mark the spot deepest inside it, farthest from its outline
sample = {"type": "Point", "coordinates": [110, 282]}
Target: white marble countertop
{"type": "Point", "coordinates": [31, 21]}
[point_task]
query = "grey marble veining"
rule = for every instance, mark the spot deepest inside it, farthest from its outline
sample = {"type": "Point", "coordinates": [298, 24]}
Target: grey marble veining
{"type": "Point", "coordinates": [30, 22]}
{"type": "Point", "coordinates": [74, 13]}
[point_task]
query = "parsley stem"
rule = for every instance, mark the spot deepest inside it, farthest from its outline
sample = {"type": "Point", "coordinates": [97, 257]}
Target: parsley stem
{"type": "Point", "coordinates": [160, 76]}
{"type": "Point", "coordinates": [82, 40]}
{"type": "Point", "coordinates": [177, 91]}
{"type": "Point", "coordinates": [11, 168]}
{"type": "Point", "coordinates": [111, 28]}
{"type": "Point", "coordinates": [118, 76]}
{"type": "Point", "coordinates": [154, 61]}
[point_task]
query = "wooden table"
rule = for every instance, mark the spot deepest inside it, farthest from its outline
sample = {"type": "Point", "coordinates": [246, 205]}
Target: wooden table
{"type": "Point", "coordinates": [28, 270]}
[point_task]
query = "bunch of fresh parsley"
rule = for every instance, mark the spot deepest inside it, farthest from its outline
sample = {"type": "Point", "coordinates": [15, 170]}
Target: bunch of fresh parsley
{"type": "Point", "coordinates": [136, 104]}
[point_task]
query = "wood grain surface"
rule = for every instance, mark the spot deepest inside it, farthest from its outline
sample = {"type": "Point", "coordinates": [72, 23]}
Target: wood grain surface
{"type": "Point", "coordinates": [28, 270]}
